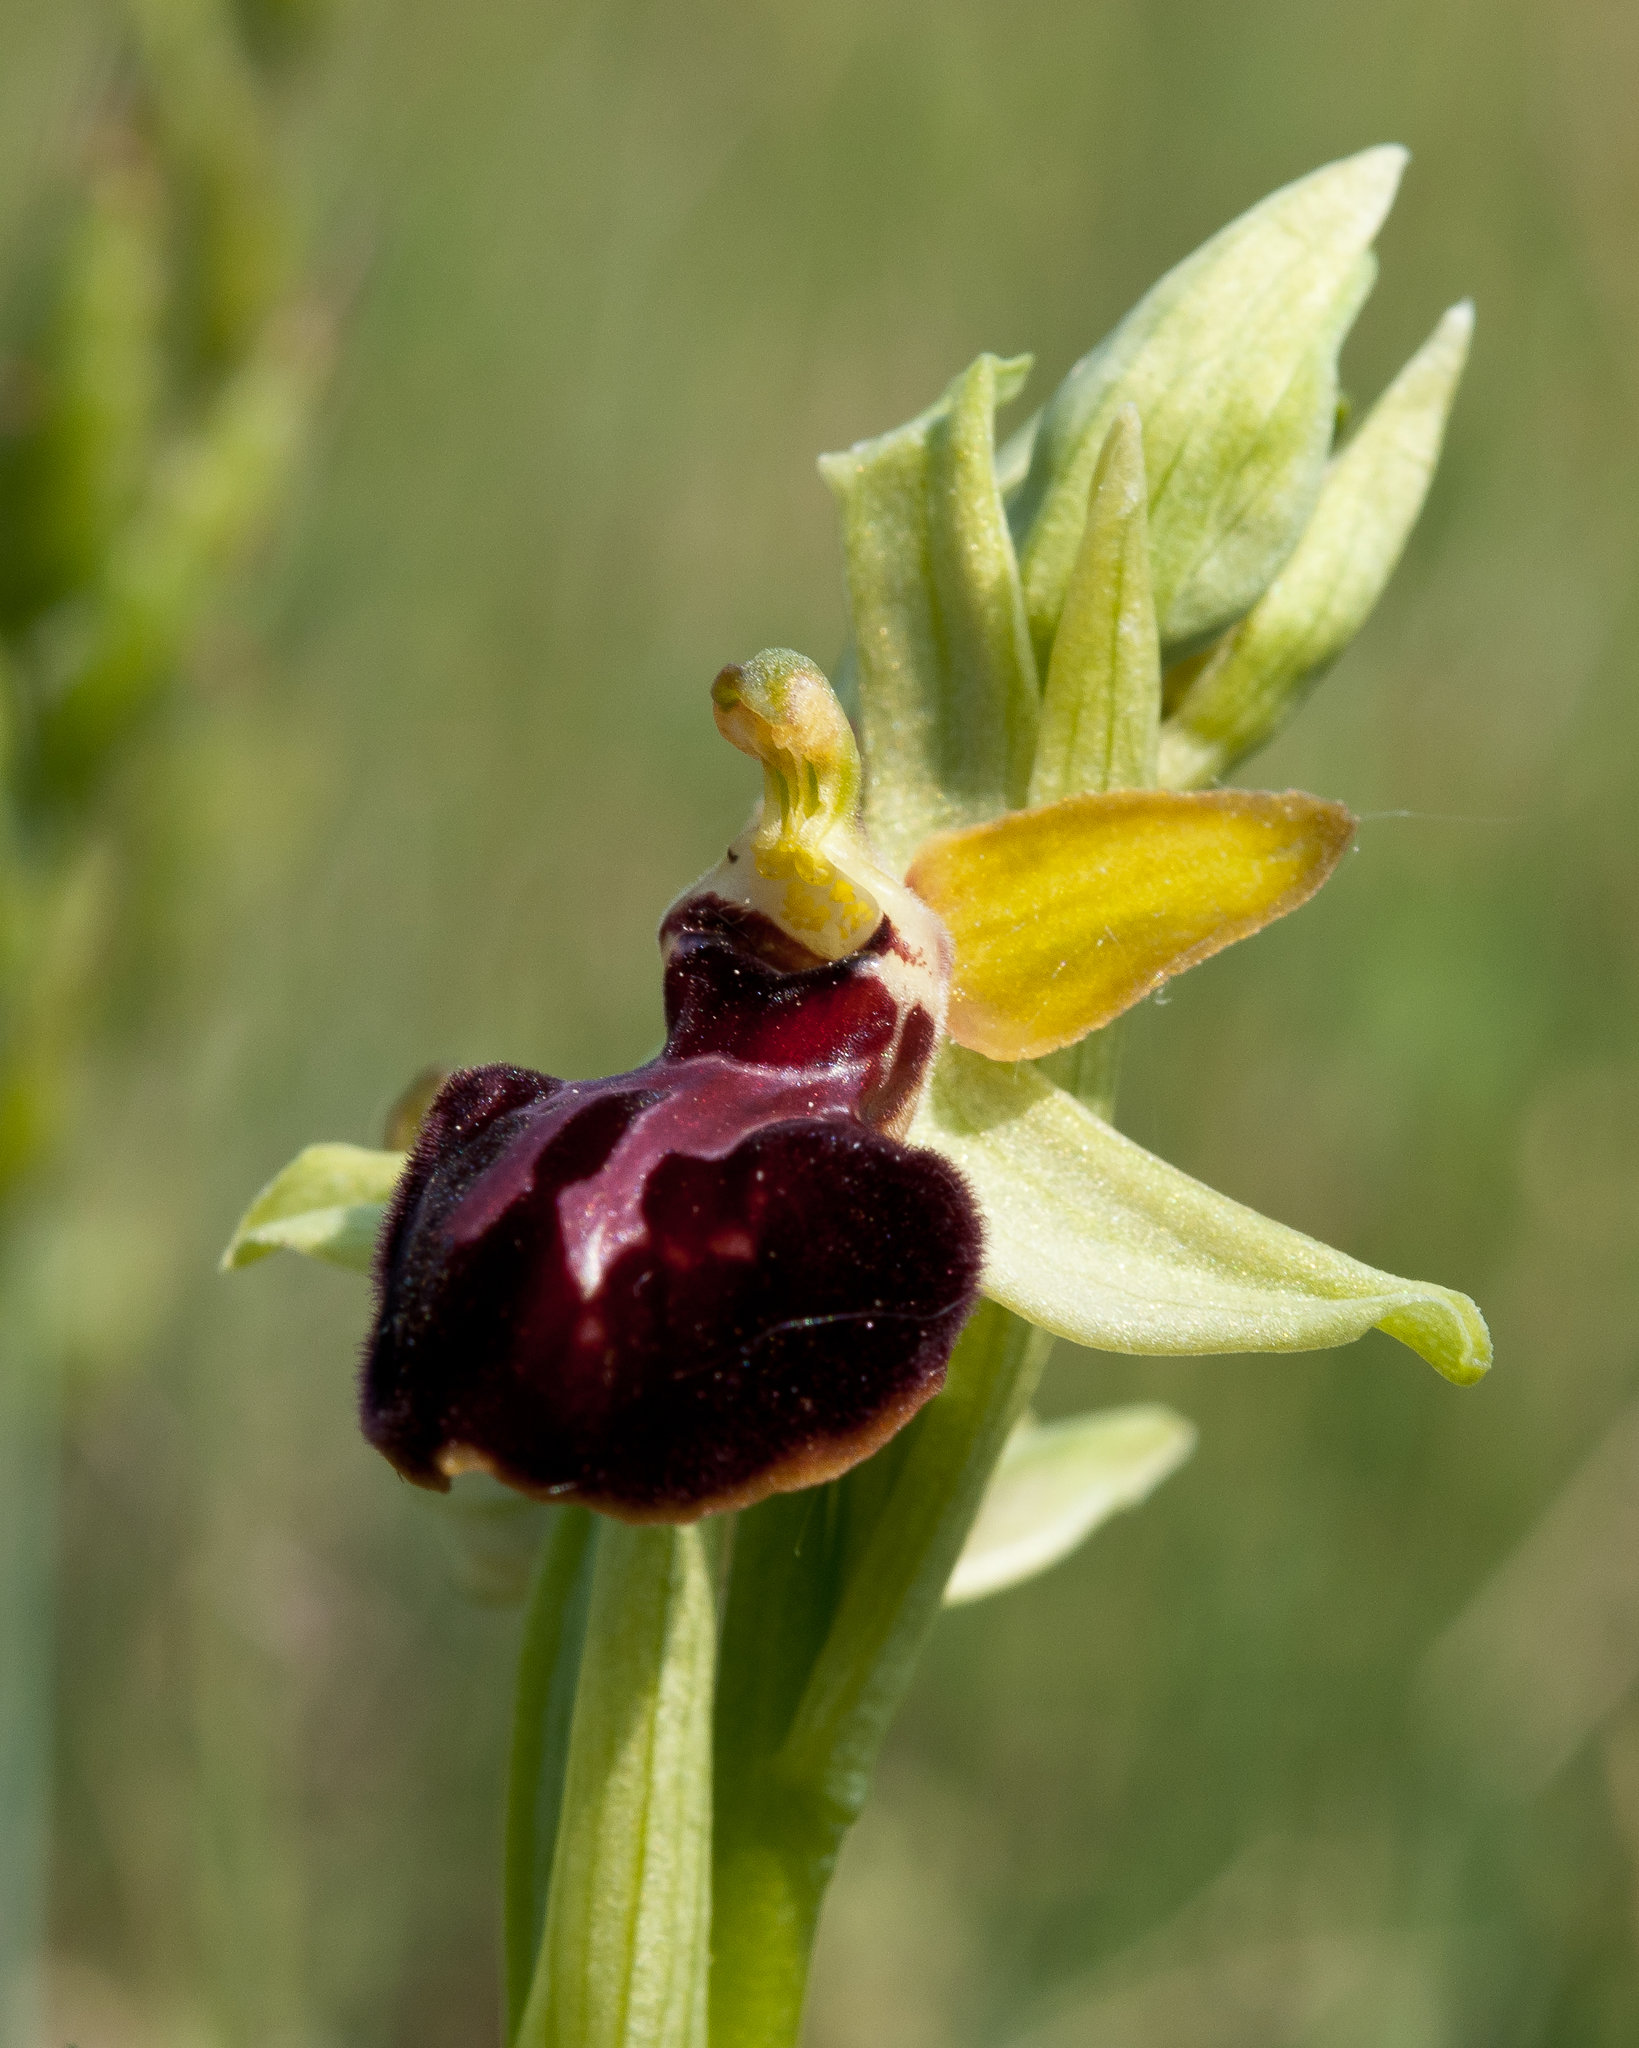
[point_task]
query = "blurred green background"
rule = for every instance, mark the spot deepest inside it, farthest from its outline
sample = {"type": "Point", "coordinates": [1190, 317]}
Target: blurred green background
{"type": "Point", "coordinates": [1336, 1742]}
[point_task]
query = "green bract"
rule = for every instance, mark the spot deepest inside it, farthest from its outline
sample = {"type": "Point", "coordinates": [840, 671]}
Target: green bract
{"type": "Point", "coordinates": [1179, 501]}
{"type": "Point", "coordinates": [1055, 1483]}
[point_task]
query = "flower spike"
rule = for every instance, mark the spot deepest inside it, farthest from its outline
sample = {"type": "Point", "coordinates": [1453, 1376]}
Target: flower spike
{"type": "Point", "coordinates": [739, 1269]}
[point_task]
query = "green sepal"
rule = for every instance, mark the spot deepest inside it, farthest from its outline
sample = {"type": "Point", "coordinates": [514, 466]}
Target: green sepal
{"type": "Point", "coordinates": [1260, 671]}
{"type": "Point", "coordinates": [1059, 1481]}
{"type": "Point", "coordinates": [1101, 706]}
{"type": "Point", "coordinates": [327, 1204]}
{"type": "Point", "coordinates": [1232, 362]}
{"type": "Point", "coordinates": [947, 681]}
{"type": "Point", "coordinates": [626, 1953]}
{"type": "Point", "coordinates": [1091, 1237]}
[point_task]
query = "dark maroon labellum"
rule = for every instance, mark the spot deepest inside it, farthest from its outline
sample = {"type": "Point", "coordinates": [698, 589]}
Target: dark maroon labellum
{"type": "Point", "coordinates": [680, 1289]}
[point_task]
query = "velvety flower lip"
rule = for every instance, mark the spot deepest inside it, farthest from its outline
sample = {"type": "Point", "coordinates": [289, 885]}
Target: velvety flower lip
{"type": "Point", "coordinates": [677, 1290]}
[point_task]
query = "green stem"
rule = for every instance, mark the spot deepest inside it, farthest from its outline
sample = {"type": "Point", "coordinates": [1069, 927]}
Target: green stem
{"type": "Point", "coordinates": [826, 1618]}
{"type": "Point", "coordinates": [624, 1956]}
{"type": "Point", "coordinates": [783, 1591]}
{"type": "Point", "coordinates": [548, 1666]}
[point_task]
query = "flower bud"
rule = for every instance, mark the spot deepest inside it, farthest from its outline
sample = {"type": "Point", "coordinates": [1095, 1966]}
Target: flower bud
{"type": "Point", "coordinates": [1243, 690]}
{"type": "Point", "coordinates": [1232, 362]}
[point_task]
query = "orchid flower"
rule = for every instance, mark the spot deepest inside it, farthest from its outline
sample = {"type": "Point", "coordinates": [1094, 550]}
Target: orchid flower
{"type": "Point", "coordinates": [875, 1153]}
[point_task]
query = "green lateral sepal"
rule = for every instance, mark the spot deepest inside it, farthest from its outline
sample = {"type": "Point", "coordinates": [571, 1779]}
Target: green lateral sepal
{"type": "Point", "coordinates": [328, 1203]}
{"type": "Point", "coordinates": [1091, 1237]}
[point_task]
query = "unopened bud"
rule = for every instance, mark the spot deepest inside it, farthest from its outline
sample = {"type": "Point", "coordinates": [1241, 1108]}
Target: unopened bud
{"type": "Point", "coordinates": [1252, 681]}
{"type": "Point", "coordinates": [1232, 362]}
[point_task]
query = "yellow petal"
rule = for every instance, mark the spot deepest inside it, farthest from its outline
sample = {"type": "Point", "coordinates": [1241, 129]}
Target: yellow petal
{"type": "Point", "coordinates": [1065, 916]}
